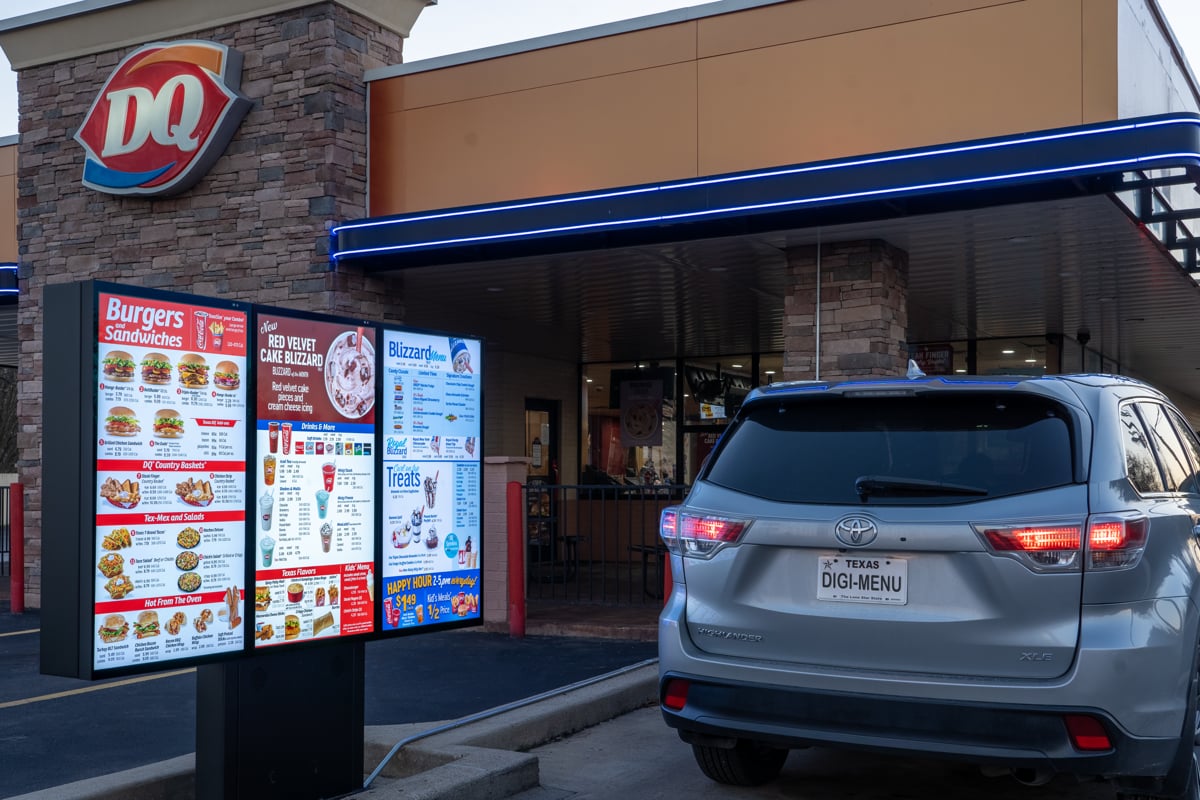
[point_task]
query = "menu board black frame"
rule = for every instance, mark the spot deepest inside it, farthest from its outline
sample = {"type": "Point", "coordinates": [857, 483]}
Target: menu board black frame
{"type": "Point", "coordinates": [74, 414]}
{"type": "Point", "coordinates": [72, 422]}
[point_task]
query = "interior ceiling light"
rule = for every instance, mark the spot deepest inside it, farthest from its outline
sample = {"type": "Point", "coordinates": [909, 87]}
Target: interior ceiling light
{"type": "Point", "coordinates": [589, 380]}
{"type": "Point", "coordinates": [769, 372]}
{"type": "Point", "coordinates": [1008, 352]}
{"type": "Point", "coordinates": [736, 366]}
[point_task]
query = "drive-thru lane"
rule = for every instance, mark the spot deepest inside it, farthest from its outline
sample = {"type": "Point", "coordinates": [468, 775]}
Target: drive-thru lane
{"type": "Point", "coordinates": [637, 756]}
{"type": "Point", "coordinates": [59, 730]}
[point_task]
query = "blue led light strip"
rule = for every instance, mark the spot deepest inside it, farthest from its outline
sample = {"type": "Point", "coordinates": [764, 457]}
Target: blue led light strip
{"type": "Point", "coordinates": [9, 267]}
{"type": "Point", "coordinates": [792, 203]}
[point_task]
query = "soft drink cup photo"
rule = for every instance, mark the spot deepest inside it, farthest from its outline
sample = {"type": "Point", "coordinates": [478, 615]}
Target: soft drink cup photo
{"type": "Point", "coordinates": [285, 433]}
{"type": "Point", "coordinates": [328, 471]}
{"type": "Point", "coordinates": [269, 470]}
{"type": "Point", "coordinates": [201, 318]}
{"type": "Point", "coordinates": [273, 436]}
{"type": "Point", "coordinates": [267, 546]}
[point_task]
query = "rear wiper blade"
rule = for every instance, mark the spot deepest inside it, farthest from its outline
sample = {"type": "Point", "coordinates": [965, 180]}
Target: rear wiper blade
{"type": "Point", "coordinates": [888, 486]}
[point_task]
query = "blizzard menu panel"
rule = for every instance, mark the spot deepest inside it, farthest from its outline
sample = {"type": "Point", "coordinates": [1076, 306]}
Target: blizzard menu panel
{"type": "Point", "coordinates": [169, 554]}
{"type": "Point", "coordinates": [432, 491]}
{"type": "Point", "coordinates": [314, 480]}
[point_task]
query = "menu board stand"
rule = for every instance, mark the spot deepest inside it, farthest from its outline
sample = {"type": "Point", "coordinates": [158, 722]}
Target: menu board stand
{"type": "Point", "coordinates": [285, 723]}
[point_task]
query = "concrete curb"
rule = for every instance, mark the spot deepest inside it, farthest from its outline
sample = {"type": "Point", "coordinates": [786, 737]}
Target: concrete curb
{"type": "Point", "coordinates": [483, 759]}
{"type": "Point", "coordinates": [494, 747]}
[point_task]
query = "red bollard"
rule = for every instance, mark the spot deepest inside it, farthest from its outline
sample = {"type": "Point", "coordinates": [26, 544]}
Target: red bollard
{"type": "Point", "coordinates": [16, 543]}
{"type": "Point", "coordinates": [516, 561]}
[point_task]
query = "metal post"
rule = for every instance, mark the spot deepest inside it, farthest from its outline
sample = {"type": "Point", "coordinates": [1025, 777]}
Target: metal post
{"type": "Point", "coordinates": [516, 561]}
{"type": "Point", "coordinates": [16, 541]}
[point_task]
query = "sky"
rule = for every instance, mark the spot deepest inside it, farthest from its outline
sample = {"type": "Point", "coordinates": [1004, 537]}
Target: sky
{"type": "Point", "coordinates": [453, 26]}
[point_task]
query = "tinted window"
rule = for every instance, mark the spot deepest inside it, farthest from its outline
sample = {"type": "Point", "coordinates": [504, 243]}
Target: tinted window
{"type": "Point", "coordinates": [1171, 456]}
{"type": "Point", "coordinates": [1140, 465]}
{"type": "Point", "coordinates": [1188, 437]}
{"type": "Point", "coordinates": [813, 450]}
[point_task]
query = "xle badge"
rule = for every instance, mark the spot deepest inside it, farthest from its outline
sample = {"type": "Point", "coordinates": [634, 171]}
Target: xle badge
{"type": "Point", "coordinates": [163, 118]}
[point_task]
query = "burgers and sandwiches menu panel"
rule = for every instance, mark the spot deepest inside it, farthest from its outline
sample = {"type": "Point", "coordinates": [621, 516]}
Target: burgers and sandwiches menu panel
{"type": "Point", "coordinates": [169, 555]}
{"type": "Point", "coordinates": [432, 490]}
{"type": "Point", "coordinates": [314, 479]}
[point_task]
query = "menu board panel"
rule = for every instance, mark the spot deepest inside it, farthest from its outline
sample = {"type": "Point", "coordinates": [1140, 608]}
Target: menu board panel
{"type": "Point", "coordinates": [431, 404]}
{"type": "Point", "coordinates": [170, 518]}
{"type": "Point", "coordinates": [314, 479]}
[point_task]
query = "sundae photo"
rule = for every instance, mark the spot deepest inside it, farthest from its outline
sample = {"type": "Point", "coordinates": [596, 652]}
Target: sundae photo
{"type": "Point", "coordinates": [431, 489]}
{"type": "Point", "coordinates": [350, 374]}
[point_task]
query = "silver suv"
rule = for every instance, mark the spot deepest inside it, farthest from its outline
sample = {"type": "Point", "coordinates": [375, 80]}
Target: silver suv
{"type": "Point", "coordinates": [1001, 570]}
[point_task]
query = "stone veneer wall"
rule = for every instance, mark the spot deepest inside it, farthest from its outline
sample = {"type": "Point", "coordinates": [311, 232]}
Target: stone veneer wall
{"type": "Point", "coordinates": [255, 228]}
{"type": "Point", "coordinates": [864, 311]}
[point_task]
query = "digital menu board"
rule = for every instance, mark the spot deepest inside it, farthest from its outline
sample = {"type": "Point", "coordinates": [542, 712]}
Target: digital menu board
{"type": "Point", "coordinates": [168, 560]}
{"type": "Point", "coordinates": [431, 401]}
{"type": "Point", "coordinates": [314, 478]}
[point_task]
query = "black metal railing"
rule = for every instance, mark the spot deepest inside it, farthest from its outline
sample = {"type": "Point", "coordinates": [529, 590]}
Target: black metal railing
{"type": "Point", "coordinates": [5, 532]}
{"type": "Point", "coordinates": [596, 544]}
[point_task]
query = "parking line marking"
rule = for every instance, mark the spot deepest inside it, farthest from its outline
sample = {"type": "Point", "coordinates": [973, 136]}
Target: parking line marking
{"type": "Point", "coordinates": [86, 689]}
{"type": "Point", "coordinates": [18, 633]}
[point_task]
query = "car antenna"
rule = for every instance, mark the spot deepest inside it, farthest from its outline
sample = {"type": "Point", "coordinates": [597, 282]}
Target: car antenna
{"type": "Point", "coordinates": [914, 372]}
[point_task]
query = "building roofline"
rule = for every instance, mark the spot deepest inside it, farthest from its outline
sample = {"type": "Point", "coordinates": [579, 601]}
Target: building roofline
{"type": "Point", "coordinates": [672, 17]}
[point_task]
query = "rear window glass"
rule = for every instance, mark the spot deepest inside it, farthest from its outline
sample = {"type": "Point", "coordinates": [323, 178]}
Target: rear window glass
{"type": "Point", "coordinates": [815, 450]}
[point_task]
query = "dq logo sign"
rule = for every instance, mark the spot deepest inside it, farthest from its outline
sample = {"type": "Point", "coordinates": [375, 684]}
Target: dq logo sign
{"type": "Point", "coordinates": [163, 119]}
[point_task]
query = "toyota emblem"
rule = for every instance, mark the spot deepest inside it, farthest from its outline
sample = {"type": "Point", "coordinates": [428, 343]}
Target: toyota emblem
{"type": "Point", "coordinates": [856, 531]}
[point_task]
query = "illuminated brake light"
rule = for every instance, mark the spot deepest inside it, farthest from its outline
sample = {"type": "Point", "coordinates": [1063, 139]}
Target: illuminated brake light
{"type": "Point", "coordinates": [712, 529]}
{"type": "Point", "coordinates": [1115, 542]}
{"type": "Point", "coordinates": [1041, 547]}
{"type": "Point", "coordinates": [703, 537]}
{"type": "Point", "coordinates": [1087, 733]}
{"type": "Point", "coordinates": [667, 528]}
{"type": "Point", "coordinates": [1035, 539]}
{"type": "Point", "coordinates": [675, 694]}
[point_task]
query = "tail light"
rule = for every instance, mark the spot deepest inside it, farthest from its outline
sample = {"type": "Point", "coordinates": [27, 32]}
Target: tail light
{"type": "Point", "coordinates": [1045, 548]}
{"type": "Point", "coordinates": [698, 536]}
{"type": "Point", "coordinates": [1114, 542]}
{"type": "Point", "coordinates": [1111, 542]}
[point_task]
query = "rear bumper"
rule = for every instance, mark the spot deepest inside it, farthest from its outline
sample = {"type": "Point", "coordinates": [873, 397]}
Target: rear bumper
{"type": "Point", "coordinates": [1014, 736]}
{"type": "Point", "coordinates": [1131, 671]}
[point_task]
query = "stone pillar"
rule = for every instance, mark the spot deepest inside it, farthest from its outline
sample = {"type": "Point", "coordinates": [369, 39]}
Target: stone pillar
{"type": "Point", "coordinates": [255, 228]}
{"type": "Point", "coordinates": [863, 303]}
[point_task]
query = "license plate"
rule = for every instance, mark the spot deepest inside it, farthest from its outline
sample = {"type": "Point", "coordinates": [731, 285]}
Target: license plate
{"type": "Point", "coordinates": [860, 579]}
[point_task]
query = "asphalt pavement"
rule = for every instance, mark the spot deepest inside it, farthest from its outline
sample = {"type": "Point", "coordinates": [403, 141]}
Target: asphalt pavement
{"type": "Point", "coordinates": [92, 729]}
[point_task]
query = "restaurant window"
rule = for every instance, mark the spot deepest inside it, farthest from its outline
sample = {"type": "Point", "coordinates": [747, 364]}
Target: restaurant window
{"type": "Point", "coordinates": [630, 424]}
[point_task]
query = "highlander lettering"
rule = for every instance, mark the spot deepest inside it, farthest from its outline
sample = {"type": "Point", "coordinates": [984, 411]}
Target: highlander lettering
{"type": "Point", "coordinates": [734, 635]}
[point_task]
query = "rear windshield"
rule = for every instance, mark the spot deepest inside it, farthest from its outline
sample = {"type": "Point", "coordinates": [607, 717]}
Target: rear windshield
{"type": "Point", "coordinates": [944, 448]}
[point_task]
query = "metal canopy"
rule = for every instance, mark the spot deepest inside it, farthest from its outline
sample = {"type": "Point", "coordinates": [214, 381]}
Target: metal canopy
{"type": "Point", "coordinates": [1021, 236]}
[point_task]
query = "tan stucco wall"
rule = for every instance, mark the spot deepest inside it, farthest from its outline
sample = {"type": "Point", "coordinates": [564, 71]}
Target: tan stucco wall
{"type": "Point", "coordinates": [785, 83]}
{"type": "Point", "coordinates": [8, 203]}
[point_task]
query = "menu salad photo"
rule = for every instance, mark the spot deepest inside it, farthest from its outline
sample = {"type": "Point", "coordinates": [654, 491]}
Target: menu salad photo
{"type": "Point", "coordinates": [314, 478]}
{"type": "Point", "coordinates": [170, 482]}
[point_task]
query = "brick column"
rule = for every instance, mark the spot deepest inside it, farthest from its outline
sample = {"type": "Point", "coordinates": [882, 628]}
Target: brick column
{"type": "Point", "coordinates": [255, 228]}
{"type": "Point", "coordinates": [863, 301]}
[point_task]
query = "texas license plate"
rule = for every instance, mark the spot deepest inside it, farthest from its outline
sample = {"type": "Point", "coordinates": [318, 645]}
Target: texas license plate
{"type": "Point", "coordinates": [862, 579]}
